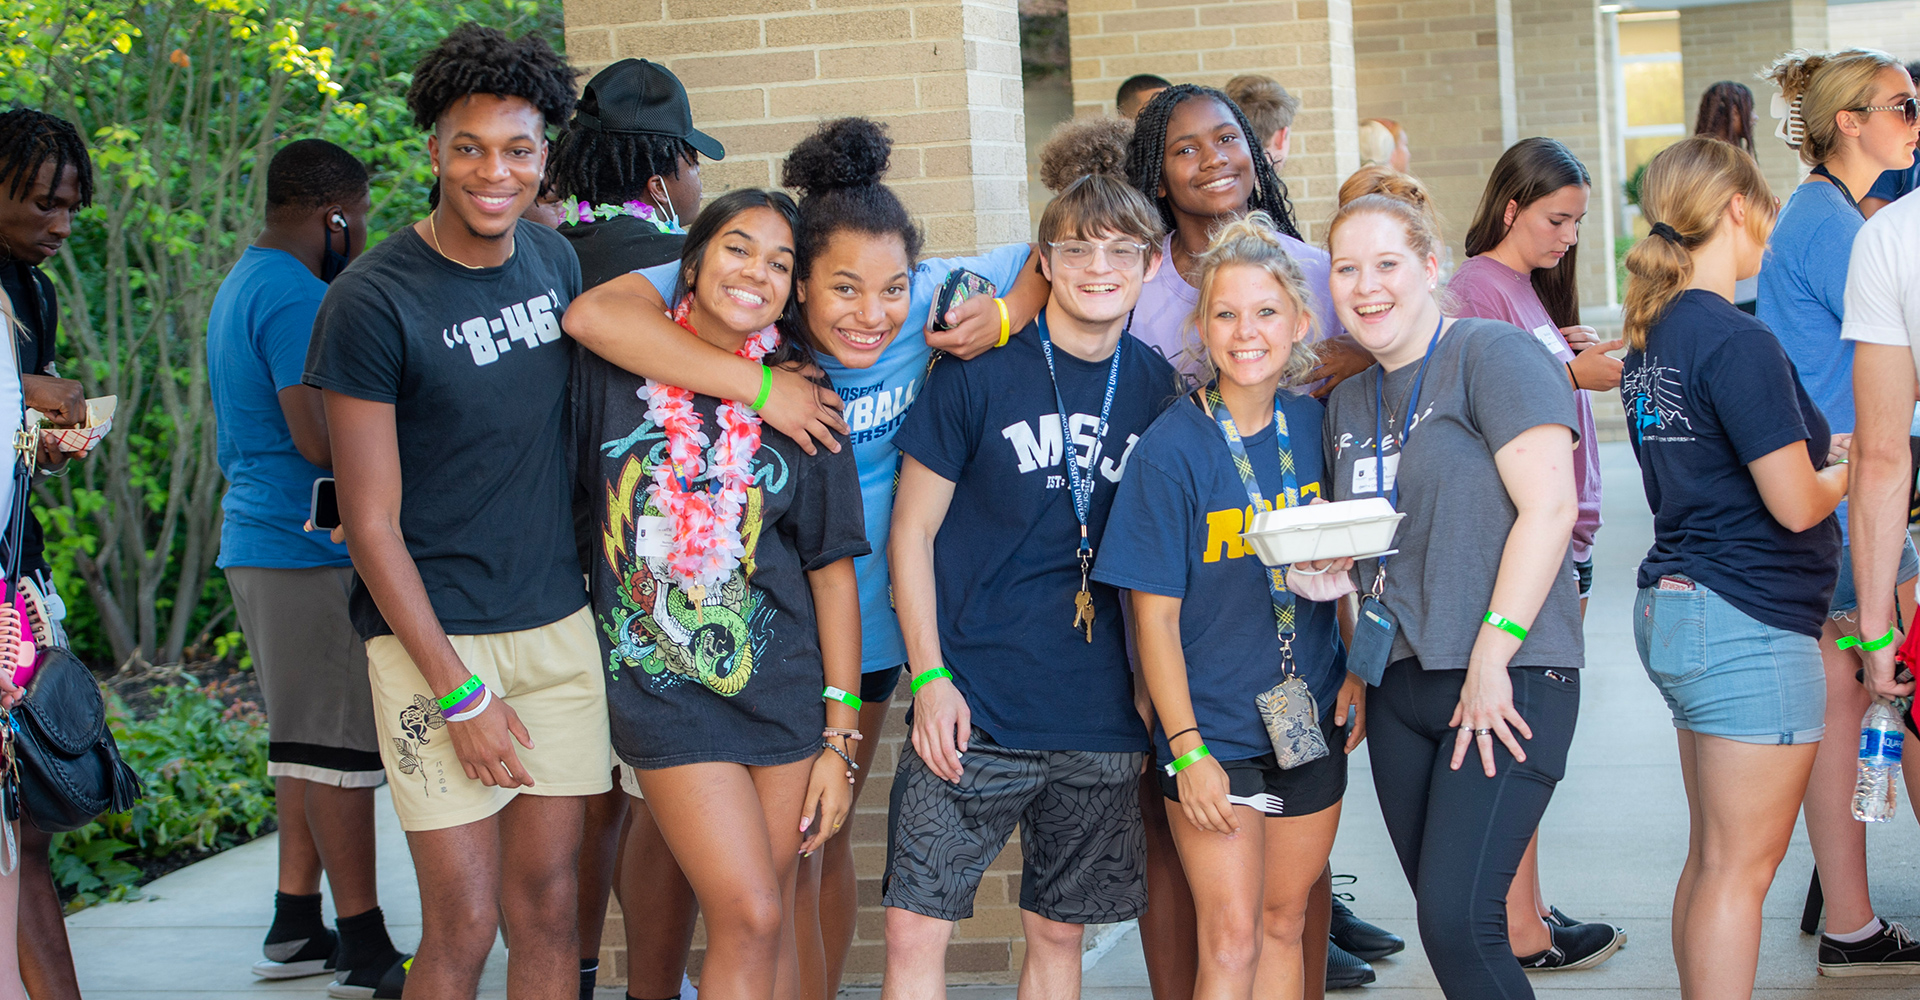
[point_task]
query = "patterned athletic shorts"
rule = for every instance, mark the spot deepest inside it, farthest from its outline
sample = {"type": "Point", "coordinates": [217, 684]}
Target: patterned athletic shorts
{"type": "Point", "coordinates": [1080, 832]}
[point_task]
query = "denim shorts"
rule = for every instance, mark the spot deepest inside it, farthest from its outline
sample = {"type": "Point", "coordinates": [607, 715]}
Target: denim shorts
{"type": "Point", "coordinates": [1725, 674]}
{"type": "Point", "coordinates": [1845, 599]}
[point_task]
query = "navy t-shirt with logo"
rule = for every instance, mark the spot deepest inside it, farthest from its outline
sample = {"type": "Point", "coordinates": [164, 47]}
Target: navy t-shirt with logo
{"type": "Point", "coordinates": [1005, 559]}
{"type": "Point", "coordinates": [1175, 531]}
{"type": "Point", "coordinates": [476, 368]}
{"type": "Point", "coordinates": [1713, 391]}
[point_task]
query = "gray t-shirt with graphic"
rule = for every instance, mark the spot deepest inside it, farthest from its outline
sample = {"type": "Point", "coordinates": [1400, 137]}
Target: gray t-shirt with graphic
{"type": "Point", "coordinates": [1487, 383]}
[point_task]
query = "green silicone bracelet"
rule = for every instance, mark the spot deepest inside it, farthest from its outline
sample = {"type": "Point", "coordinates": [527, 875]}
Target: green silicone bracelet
{"type": "Point", "coordinates": [1505, 624]}
{"type": "Point", "coordinates": [1871, 645]}
{"type": "Point", "coordinates": [921, 680]}
{"type": "Point", "coordinates": [453, 697]}
{"type": "Point", "coordinates": [1186, 760]}
{"type": "Point", "coordinates": [846, 698]}
{"type": "Point", "coordinates": [766, 388]}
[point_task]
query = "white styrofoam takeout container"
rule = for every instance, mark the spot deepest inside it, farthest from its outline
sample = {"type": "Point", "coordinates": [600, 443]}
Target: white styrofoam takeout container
{"type": "Point", "coordinates": [1312, 532]}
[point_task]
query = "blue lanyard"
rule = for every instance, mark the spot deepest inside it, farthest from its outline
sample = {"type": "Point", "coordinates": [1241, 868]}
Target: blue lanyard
{"type": "Point", "coordinates": [1283, 611]}
{"type": "Point", "coordinates": [1406, 431]}
{"type": "Point", "coordinates": [1082, 486]}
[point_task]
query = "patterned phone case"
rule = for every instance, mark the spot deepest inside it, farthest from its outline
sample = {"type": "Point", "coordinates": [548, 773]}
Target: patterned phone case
{"type": "Point", "coordinates": [960, 286]}
{"type": "Point", "coordinates": [1293, 723]}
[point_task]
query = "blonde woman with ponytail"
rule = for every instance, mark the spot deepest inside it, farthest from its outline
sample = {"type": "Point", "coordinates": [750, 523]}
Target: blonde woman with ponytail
{"type": "Point", "coordinates": [1739, 469]}
{"type": "Point", "coordinates": [1217, 631]}
{"type": "Point", "coordinates": [1855, 116]}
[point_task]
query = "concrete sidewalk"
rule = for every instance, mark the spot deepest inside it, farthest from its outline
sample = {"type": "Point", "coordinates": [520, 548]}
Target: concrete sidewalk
{"type": "Point", "coordinates": [1612, 847]}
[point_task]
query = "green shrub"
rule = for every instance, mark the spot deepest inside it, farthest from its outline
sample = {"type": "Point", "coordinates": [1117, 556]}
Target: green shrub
{"type": "Point", "coordinates": [203, 757]}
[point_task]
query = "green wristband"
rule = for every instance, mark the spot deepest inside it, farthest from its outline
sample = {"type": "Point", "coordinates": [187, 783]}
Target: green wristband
{"type": "Point", "coordinates": [846, 698]}
{"type": "Point", "coordinates": [766, 387]}
{"type": "Point", "coordinates": [1871, 645]}
{"type": "Point", "coordinates": [1186, 760]}
{"type": "Point", "coordinates": [453, 697]}
{"type": "Point", "coordinates": [921, 680]}
{"type": "Point", "coordinates": [1505, 624]}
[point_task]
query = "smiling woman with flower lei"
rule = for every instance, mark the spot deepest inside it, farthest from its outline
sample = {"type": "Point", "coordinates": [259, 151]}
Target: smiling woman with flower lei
{"type": "Point", "coordinates": [724, 591]}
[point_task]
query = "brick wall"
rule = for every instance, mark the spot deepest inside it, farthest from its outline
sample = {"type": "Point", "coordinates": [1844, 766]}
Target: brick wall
{"type": "Point", "coordinates": [1305, 44]}
{"type": "Point", "coordinates": [1737, 42]}
{"type": "Point", "coordinates": [1559, 97]}
{"type": "Point", "coordinates": [1889, 25]}
{"type": "Point", "coordinates": [1434, 67]}
{"type": "Point", "coordinates": [944, 74]}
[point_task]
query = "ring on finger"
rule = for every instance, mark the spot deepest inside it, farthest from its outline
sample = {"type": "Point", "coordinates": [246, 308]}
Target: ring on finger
{"type": "Point", "coordinates": [1483, 732]}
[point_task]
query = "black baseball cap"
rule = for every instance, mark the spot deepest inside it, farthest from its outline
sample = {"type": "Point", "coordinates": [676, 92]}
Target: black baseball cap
{"type": "Point", "coordinates": [634, 95]}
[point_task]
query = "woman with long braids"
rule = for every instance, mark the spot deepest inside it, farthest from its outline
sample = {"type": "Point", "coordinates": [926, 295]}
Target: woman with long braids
{"type": "Point", "coordinates": [1742, 477]}
{"type": "Point", "coordinates": [1726, 113]}
{"type": "Point", "coordinates": [1854, 116]}
{"type": "Point", "coordinates": [1521, 269]}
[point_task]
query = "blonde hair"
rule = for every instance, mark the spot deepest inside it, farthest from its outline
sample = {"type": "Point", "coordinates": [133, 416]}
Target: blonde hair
{"type": "Point", "coordinates": [1687, 188]}
{"type": "Point", "coordinates": [1378, 139]}
{"type": "Point", "coordinates": [1267, 105]}
{"type": "Point", "coordinates": [1253, 241]}
{"type": "Point", "coordinates": [1819, 85]}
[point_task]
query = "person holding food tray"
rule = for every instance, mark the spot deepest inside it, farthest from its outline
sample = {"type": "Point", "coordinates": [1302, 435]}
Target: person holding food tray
{"type": "Point", "coordinates": [1471, 632]}
{"type": "Point", "coordinates": [1248, 678]}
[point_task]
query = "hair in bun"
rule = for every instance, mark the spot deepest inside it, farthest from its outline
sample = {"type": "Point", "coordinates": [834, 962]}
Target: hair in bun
{"type": "Point", "coordinates": [1085, 146]}
{"type": "Point", "coordinates": [837, 171]}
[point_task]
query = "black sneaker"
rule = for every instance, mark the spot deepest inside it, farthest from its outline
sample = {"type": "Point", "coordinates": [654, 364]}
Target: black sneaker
{"type": "Point", "coordinates": [1345, 971]}
{"type": "Point", "coordinates": [1558, 919]}
{"type": "Point", "coordinates": [296, 959]}
{"type": "Point", "coordinates": [1361, 939]}
{"type": "Point", "coordinates": [1581, 946]}
{"type": "Point", "coordinates": [386, 984]}
{"type": "Point", "coordinates": [1891, 952]}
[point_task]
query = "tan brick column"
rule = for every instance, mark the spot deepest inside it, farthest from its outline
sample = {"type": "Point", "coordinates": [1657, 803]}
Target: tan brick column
{"type": "Point", "coordinates": [1558, 83]}
{"type": "Point", "coordinates": [944, 74]}
{"type": "Point", "coordinates": [1307, 45]}
{"type": "Point", "coordinates": [1737, 42]}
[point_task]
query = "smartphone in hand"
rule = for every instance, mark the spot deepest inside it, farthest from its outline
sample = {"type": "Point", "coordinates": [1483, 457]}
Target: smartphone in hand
{"type": "Point", "coordinates": [325, 510]}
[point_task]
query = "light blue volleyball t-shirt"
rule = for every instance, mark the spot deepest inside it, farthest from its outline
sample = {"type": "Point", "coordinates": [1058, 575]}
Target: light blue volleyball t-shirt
{"type": "Point", "coordinates": [877, 399]}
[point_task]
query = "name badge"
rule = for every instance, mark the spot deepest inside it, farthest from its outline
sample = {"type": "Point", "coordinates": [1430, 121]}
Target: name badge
{"type": "Point", "coordinates": [1365, 470]}
{"type": "Point", "coordinates": [1549, 338]}
{"type": "Point", "coordinates": [652, 536]}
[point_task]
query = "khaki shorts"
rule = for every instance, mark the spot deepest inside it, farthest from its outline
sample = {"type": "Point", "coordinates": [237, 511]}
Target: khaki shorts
{"type": "Point", "coordinates": [551, 677]}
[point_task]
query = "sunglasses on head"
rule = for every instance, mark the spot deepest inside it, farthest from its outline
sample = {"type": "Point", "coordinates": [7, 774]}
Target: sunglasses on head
{"type": "Point", "coordinates": [1909, 109]}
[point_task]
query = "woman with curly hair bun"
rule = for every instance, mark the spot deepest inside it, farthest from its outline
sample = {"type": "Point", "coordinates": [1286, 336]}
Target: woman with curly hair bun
{"type": "Point", "coordinates": [1854, 116]}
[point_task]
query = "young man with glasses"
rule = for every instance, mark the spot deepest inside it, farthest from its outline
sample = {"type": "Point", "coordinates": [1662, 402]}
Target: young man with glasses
{"type": "Point", "coordinates": [1024, 709]}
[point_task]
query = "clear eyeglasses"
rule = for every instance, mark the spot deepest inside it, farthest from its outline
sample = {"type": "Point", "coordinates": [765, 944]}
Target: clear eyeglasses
{"type": "Point", "coordinates": [1078, 254]}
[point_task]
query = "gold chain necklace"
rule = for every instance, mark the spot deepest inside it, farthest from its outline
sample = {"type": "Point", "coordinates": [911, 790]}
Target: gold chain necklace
{"type": "Point", "coordinates": [434, 230]}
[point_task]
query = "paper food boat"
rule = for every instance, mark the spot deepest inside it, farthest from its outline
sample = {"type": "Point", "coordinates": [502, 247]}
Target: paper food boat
{"type": "Point", "coordinates": [1344, 528]}
{"type": "Point", "coordinates": [99, 422]}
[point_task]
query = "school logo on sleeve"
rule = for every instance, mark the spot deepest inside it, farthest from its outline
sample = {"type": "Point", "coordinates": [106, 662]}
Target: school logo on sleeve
{"type": "Point", "coordinates": [531, 323]}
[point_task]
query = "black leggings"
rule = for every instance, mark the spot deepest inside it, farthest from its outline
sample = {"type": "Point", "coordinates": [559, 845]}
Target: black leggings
{"type": "Point", "coordinates": [1460, 834]}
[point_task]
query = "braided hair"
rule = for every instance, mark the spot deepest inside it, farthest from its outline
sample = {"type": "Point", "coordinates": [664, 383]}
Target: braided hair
{"type": "Point", "coordinates": [30, 140]}
{"type": "Point", "coordinates": [602, 168]}
{"type": "Point", "coordinates": [477, 60]}
{"type": "Point", "coordinates": [1146, 156]}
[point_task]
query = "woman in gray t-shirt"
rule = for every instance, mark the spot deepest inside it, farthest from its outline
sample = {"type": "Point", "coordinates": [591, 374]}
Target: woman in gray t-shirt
{"type": "Point", "coordinates": [1477, 425]}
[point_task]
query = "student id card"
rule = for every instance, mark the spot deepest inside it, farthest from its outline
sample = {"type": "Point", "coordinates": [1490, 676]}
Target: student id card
{"type": "Point", "coordinates": [1367, 472]}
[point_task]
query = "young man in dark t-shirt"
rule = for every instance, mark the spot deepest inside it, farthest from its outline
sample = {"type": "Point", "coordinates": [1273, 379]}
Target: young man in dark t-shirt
{"type": "Point", "coordinates": [1024, 709]}
{"type": "Point", "coordinates": [445, 378]}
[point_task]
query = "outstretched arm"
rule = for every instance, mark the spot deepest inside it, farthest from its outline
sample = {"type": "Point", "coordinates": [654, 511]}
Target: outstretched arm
{"type": "Point", "coordinates": [941, 719]}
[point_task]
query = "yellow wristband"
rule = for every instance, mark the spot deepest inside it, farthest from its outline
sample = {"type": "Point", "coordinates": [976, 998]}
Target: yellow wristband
{"type": "Point", "coordinates": [1006, 325]}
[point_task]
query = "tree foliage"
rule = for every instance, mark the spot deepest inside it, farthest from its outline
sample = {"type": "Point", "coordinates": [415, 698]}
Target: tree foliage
{"type": "Point", "coordinates": [183, 103]}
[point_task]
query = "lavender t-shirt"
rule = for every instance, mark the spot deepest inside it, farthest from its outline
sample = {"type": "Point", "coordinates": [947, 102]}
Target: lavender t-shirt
{"type": "Point", "coordinates": [1489, 289]}
{"type": "Point", "coordinates": [1163, 318]}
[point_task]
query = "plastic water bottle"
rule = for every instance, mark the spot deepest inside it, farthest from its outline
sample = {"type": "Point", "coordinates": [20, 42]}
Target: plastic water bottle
{"type": "Point", "coordinates": [1874, 795]}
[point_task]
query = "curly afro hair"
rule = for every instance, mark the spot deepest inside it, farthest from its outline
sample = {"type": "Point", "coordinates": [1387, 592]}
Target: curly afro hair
{"type": "Point", "coordinates": [477, 60]}
{"type": "Point", "coordinates": [1085, 146]}
{"type": "Point", "coordinates": [837, 171]}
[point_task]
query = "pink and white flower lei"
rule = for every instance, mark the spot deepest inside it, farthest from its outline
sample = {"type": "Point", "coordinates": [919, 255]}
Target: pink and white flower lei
{"type": "Point", "coordinates": [706, 524]}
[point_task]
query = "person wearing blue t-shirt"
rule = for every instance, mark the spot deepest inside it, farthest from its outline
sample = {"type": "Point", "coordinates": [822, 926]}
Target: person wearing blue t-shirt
{"type": "Point", "coordinates": [865, 311]}
{"type": "Point", "coordinates": [290, 586]}
{"type": "Point", "coordinates": [1220, 636]}
{"type": "Point", "coordinates": [1857, 118]}
{"type": "Point", "coordinates": [1024, 710]}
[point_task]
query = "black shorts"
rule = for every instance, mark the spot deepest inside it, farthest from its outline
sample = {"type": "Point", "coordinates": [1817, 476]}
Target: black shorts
{"type": "Point", "coordinates": [878, 685]}
{"type": "Point", "coordinates": [1303, 790]}
{"type": "Point", "coordinates": [1081, 836]}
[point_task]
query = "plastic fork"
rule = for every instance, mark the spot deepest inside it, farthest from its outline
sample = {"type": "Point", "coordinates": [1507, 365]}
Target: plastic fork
{"type": "Point", "coordinates": [1265, 802]}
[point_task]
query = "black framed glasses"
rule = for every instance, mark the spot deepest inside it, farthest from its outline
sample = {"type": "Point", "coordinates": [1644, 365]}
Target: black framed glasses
{"type": "Point", "coordinates": [1909, 109]}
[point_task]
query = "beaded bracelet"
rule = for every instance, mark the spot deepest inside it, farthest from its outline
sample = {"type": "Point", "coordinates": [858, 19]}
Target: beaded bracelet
{"type": "Point", "coordinates": [455, 696]}
{"type": "Point", "coordinates": [926, 677]}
